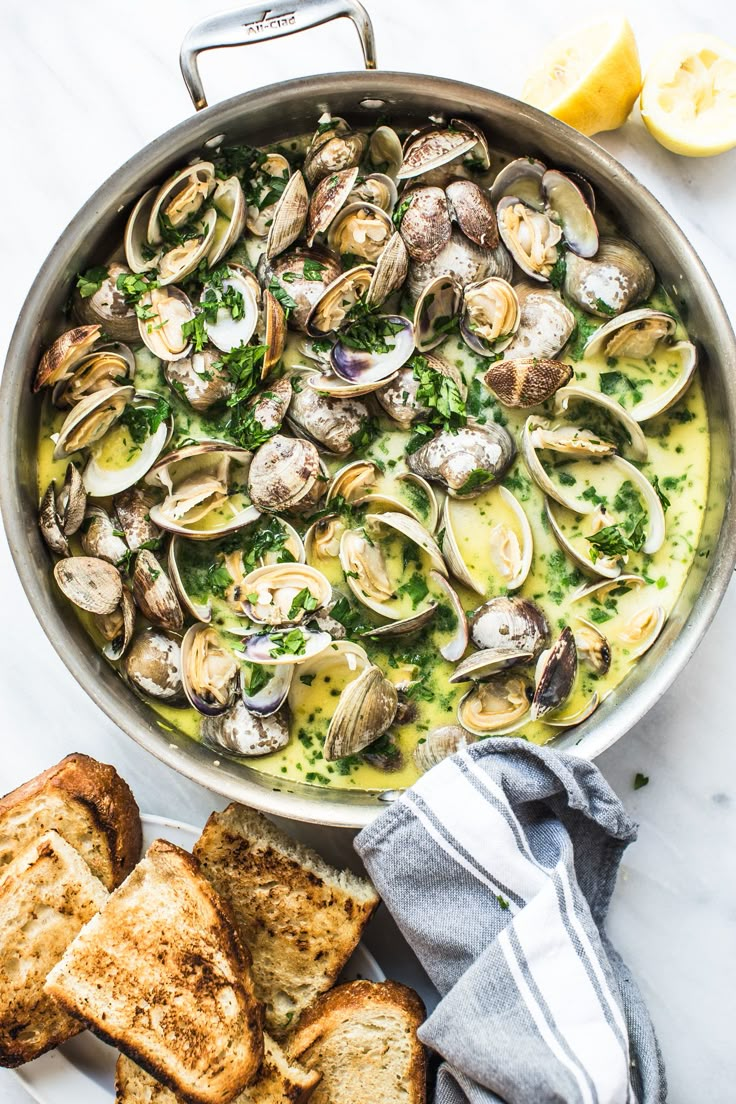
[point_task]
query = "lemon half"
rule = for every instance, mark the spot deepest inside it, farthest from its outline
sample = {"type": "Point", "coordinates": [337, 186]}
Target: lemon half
{"type": "Point", "coordinates": [590, 78]}
{"type": "Point", "coordinates": [688, 101]}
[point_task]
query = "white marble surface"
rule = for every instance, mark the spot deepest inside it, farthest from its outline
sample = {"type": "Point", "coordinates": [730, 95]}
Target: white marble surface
{"type": "Point", "coordinates": [83, 87]}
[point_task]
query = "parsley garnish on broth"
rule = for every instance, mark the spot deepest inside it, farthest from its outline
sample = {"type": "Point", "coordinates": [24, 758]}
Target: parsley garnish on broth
{"type": "Point", "coordinates": [91, 281]}
{"type": "Point", "coordinates": [368, 331]}
{"type": "Point", "coordinates": [143, 421]}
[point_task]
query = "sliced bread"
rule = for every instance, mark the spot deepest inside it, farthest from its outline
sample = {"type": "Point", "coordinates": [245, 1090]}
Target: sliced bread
{"type": "Point", "coordinates": [161, 973]}
{"type": "Point", "coordinates": [362, 1039]}
{"type": "Point", "coordinates": [88, 804]}
{"type": "Point", "coordinates": [300, 918]}
{"type": "Point", "coordinates": [46, 895]}
{"type": "Point", "coordinates": [279, 1081]}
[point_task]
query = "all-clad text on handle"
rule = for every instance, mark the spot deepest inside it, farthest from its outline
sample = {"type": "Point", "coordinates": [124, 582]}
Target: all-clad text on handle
{"type": "Point", "coordinates": [256, 23]}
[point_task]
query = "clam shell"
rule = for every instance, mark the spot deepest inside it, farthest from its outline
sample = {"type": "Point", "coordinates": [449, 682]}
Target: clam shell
{"type": "Point", "coordinates": [50, 524]}
{"type": "Point", "coordinates": [592, 647]}
{"type": "Point", "coordinates": [197, 480]}
{"type": "Point", "coordinates": [263, 648]}
{"type": "Point", "coordinates": [453, 458]}
{"type": "Point", "coordinates": [522, 179]}
{"type": "Point", "coordinates": [509, 622]}
{"type": "Point", "coordinates": [426, 225]}
{"type": "Point", "coordinates": [434, 146]}
{"type": "Point", "coordinates": [244, 734]}
{"type": "Point", "coordinates": [168, 309]}
{"type": "Point", "coordinates": [277, 585]}
{"type": "Point", "coordinates": [131, 508]}
{"type": "Point", "coordinates": [330, 312]}
{"type": "Point", "coordinates": [181, 197]}
{"type": "Point", "coordinates": [637, 441]}
{"type": "Point", "coordinates": [618, 277]}
{"type": "Point", "coordinates": [304, 293]}
{"type": "Point", "coordinates": [497, 706]}
{"type": "Point", "coordinates": [108, 307]}
{"type": "Point", "coordinates": [634, 334]}
{"type": "Point", "coordinates": [337, 150]}
{"type": "Point", "coordinates": [530, 237]}
{"type": "Point", "coordinates": [226, 332]}
{"type": "Point", "coordinates": [545, 323]}
{"type": "Point", "coordinates": [106, 366]}
{"type": "Point", "coordinates": [99, 537]}
{"type": "Point", "coordinates": [327, 199]}
{"type": "Point", "coordinates": [271, 697]}
{"type": "Point", "coordinates": [332, 422]}
{"type": "Point", "coordinates": [118, 627]}
{"type": "Point", "coordinates": [463, 260]}
{"type": "Point", "coordinates": [568, 206]}
{"type": "Point", "coordinates": [527, 381]}
{"type": "Point", "coordinates": [471, 207]}
{"type": "Point", "coordinates": [92, 585]}
{"type": "Point", "coordinates": [90, 419]}
{"type": "Point", "coordinates": [209, 671]}
{"type": "Point", "coordinates": [453, 648]}
{"type": "Point", "coordinates": [289, 216]}
{"type": "Point", "coordinates": [437, 306]}
{"type": "Point", "coordinates": [556, 673]}
{"type": "Point", "coordinates": [390, 271]}
{"type": "Point", "coordinates": [439, 744]}
{"type": "Point", "coordinates": [229, 203]}
{"type": "Point", "coordinates": [182, 260]}
{"type": "Point", "coordinates": [102, 481]}
{"type": "Point", "coordinates": [604, 567]}
{"type": "Point", "coordinates": [490, 315]}
{"type": "Point", "coordinates": [61, 356]}
{"type": "Point", "coordinates": [154, 594]}
{"type": "Point", "coordinates": [384, 149]}
{"type": "Point", "coordinates": [282, 473]}
{"type": "Point", "coordinates": [365, 710]}
{"type": "Point", "coordinates": [479, 666]}
{"type": "Point", "coordinates": [153, 665]}
{"type": "Point", "coordinates": [360, 230]}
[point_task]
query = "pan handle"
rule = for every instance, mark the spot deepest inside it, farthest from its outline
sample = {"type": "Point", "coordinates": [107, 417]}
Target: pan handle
{"type": "Point", "coordinates": [256, 23]}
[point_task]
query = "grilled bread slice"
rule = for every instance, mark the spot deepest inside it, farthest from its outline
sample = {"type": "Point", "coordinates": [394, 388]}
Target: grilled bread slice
{"type": "Point", "coordinates": [46, 895]}
{"type": "Point", "coordinates": [88, 804]}
{"type": "Point", "coordinates": [279, 1082]}
{"type": "Point", "coordinates": [161, 973]}
{"type": "Point", "coordinates": [300, 918]}
{"type": "Point", "coordinates": [362, 1038]}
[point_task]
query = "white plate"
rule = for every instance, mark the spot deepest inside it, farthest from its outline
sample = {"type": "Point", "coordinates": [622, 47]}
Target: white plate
{"type": "Point", "coordinates": [82, 1071]}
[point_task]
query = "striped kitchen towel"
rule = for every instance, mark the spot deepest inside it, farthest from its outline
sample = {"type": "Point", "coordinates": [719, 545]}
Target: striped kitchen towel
{"type": "Point", "coordinates": [498, 866]}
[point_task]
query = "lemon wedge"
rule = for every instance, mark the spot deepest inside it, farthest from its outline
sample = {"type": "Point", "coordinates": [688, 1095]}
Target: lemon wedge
{"type": "Point", "coordinates": [688, 101]}
{"type": "Point", "coordinates": [589, 78]}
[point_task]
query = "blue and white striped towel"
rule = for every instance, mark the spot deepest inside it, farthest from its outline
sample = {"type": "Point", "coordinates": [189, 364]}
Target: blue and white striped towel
{"type": "Point", "coordinates": [498, 866]}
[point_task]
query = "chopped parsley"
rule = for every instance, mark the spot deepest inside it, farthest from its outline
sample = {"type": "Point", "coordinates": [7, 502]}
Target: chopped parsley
{"type": "Point", "coordinates": [369, 332]}
{"type": "Point", "coordinates": [304, 600]}
{"type": "Point", "coordinates": [614, 541]}
{"type": "Point", "coordinates": [243, 366]}
{"type": "Point", "coordinates": [477, 479]}
{"type": "Point", "coordinates": [401, 210]}
{"type": "Point", "coordinates": [255, 678]}
{"type": "Point", "coordinates": [440, 393]}
{"type": "Point", "coordinates": [559, 269]}
{"type": "Point", "coordinates": [291, 643]}
{"type": "Point", "coordinates": [415, 589]}
{"type": "Point", "coordinates": [312, 270]}
{"type": "Point", "coordinates": [143, 421]}
{"type": "Point", "coordinates": [660, 494]}
{"type": "Point", "coordinates": [280, 293]}
{"type": "Point", "coordinates": [640, 780]}
{"type": "Point", "coordinates": [92, 280]}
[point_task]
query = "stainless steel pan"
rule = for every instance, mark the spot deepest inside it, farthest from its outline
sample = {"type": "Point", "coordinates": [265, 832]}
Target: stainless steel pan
{"type": "Point", "coordinates": [280, 111]}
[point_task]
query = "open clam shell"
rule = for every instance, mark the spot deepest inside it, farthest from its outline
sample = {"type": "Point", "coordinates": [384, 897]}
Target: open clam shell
{"type": "Point", "coordinates": [360, 230]}
{"type": "Point", "coordinates": [530, 236]}
{"type": "Point", "coordinates": [60, 515]}
{"type": "Point", "coordinates": [509, 622]}
{"type": "Point", "coordinates": [385, 150]}
{"type": "Point", "coordinates": [334, 151]}
{"type": "Point", "coordinates": [327, 198]}
{"type": "Point", "coordinates": [271, 179]}
{"type": "Point", "coordinates": [115, 465]}
{"type": "Point", "coordinates": [592, 646]}
{"type": "Point", "coordinates": [479, 666]}
{"type": "Point", "coordinates": [632, 622]}
{"type": "Point", "coordinates": [282, 594]}
{"type": "Point", "coordinates": [365, 710]}
{"type": "Point", "coordinates": [284, 647]}
{"type": "Point", "coordinates": [63, 354]}
{"type": "Point", "coordinates": [635, 334]}
{"type": "Point", "coordinates": [103, 367]}
{"type": "Point", "coordinates": [452, 639]}
{"type": "Point", "coordinates": [230, 207]}
{"type": "Point", "coordinates": [166, 310]}
{"type": "Point", "coordinates": [117, 628]}
{"type": "Point", "coordinates": [289, 216]}
{"type": "Point", "coordinates": [378, 189]}
{"type": "Point", "coordinates": [495, 535]}
{"type": "Point", "coordinates": [490, 315]}
{"type": "Point", "coordinates": [180, 199]}
{"type": "Point", "coordinates": [638, 447]}
{"type": "Point", "coordinates": [555, 675]}
{"type": "Point", "coordinates": [209, 671]}
{"type": "Point", "coordinates": [687, 355]}
{"type": "Point", "coordinates": [90, 419]}
{"type": "Point", "coordinates": [409, 527]}
{"type": "Point", "coordinates": [359, 366]}
{"type": "Point", "coordinates": [288, 272]}
{"type": "Point", "coordinates": [181, 260]}
{"type": "Point", "coordinates": [140, 254]}
{"type": "Point", "coordinates": [439, 744]}
{"type": "Point", "coordinates": [538, 434]}
{"type": "Point", "coordinates": [332, 309]}
{"type": "Point", "coordinates": [568, 206]}
{"type": "Point", "coordinates": [198, 480]}
{"type": "Point", "coordinates": [99, 537]}
{"type": "Point", "coordinates": [521, 179]}
{"type": "Point", "coordinates": [436, 311]}
{"type": "Point", "coordinates": [227, 331]}
{"type": "Point", "coordinates": [497, 706]}
{"type": "Point", "coordinates": [269, 698]}
{"type": "Point", "coordinates": [580, 551]}
{"type": "Point", "coordinates": [436, 145]}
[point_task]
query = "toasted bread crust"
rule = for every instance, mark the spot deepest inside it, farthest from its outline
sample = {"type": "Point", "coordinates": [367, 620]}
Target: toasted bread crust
{"type": "Point", "coordinates": [107, 801]}
{"type": "Point", "coordinates": [141, 968]}
{"type": "Point", "coordinates": [47, 894]}
{"type": "Point", "coordinates": [301, 918]}
{"type": "Point", "coordinates": [332, 1009]}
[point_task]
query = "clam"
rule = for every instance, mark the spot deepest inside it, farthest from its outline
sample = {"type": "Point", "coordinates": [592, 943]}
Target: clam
{"type": "Point", "coordinates": [281, 647]}
{"type": "Point", "coordinates": [384, 150]}
{"type": "Point", "coordinates": [580, 551]}
{"type": "Point", "coordinates": [375, 188]}
{"type": "Point", "coordinates": [494, 528]}
{"type": "Point", "coordinates": [466, 462]}
{"type": "Point", "coordinates": [511, 622]}
{"type": "Point", "coordinates": [439, 744]}
{"type": "Point", "coordinates": [327, 198]}
{"type": "Point", "coordinates": [153, 665]}
{"type": "Point", "coordinates": [545, 323]}
{"type": "Point", "coordinates": [333, 150]}
{"type": "Point", "coordinates": [687, 356]}
{"type": "Point", "coordinates": [471, 208]}
{"type": "Point", "coordinates": [272, 175]}
{"type": "Point", "coordinates": [271, 331]}
{"type": "Point", "coordinates": [234, 324]}
{"type": "Point", "coordinates": [436, 311]}
{"type": "Point", "coordinates": [181, 260]}
{"type": "Point", "coordinates": [632, 623]}
{"type": "Point", "coordinates": [117, 460]}
{"type": "Point", "coordinates": [200, 379]}
{"type": "Point", "coordinates": [362, 484]}
{"type": "Point", "coordinates": [436, 145]}
{"type": "Point", "coordinates": [154, 594]}
{"type": "Point", "coordinates": [576, 715]}
{"type": "Point", "coordinates": [332, 309]}
{"type": "Point", "coordinates": [539, 434]}
{"type": "Point", "coordinates": [165, 311]}
{"type": "Point", "coordinates": [132, 514]}
{"type": "Point", "coordinates": [426, 226]}
{"type": "Point", "coordinates": [283, 473]}
{"type": "Point", "coordinates": [463, 260]}
{"type": "Point", "coordinates": [100, 538]}
{"type": "Point", "coordinates": [61, 514]}
{"type": "Point", "coordinates": [408, 527]}
{"type": "Point", "coordinates": [479, 666]}
{"type": "Point", "coordinates": [106, 366]}
{"type": "Point", "coordinates": [618, 277]}
{"type": "Point", "coordinates": [322, 539]}
{"type": "Point", "coordinates": [228, 201]}
{"type": "Point", "coordinates": [117, 628]}
{"type": "Point", "coordinates": [451, 639]}
{"type": "Point", "coordinates": [339, 663]}
{"type": "Point", "coordinates": [360, 366]}
{"type": "Point", "coordinates": [209, 671]}
{"type": "Point", "coordinates": [637, 442]}
{"type": "Point", "coordinates": [203, 485]}
{"type": "Point", "coordinates": [331, 422]}
{"type": "Point", "coordinates": [555, 675]}
{"type": "Point", "coordinates": [108, 307]}
{"type": "Point", "coordinates": [527, 381]}
{"type": "Point", "coordinates": [521, 179]}
{"type": "Point", "coordinates": [635, 334]}
{"type": "Point", "coordinates": [289, 216]}
{"type": "Point", "coordinates": [530, 236]}
{"type": "Point", "coordinates": [360, 230]}
{"type": "Point", "coordinates": [569, 208]}
{"type": "Point", "coordinates": [281, 594]}
{"type": "Point", "coordinates": [90, 584]}
{"type": "Point", "coordinates": [140, 254]}
{"type": "Point", "coordinates": [180, 199]}
{"type": "Point", "coordinates": [490, 315]}
{"type": "Point", "coordinates": [269, 698]}
{"type": "Point", "coordinates": [389, 272]}
{"type": "Point", "coordinates": [592, 647]}
{"type": "Point", "coordinates": [240, 732]}
{"type": "Point", "coordinates": [61, 356]}
{"type": "Point", "coordinates": [269, 407]}
{"type": "Point", "coordinates": [301, 275]}
{"type": "Point", "coordinates": [90, 419]}
{"type": "Point", "coordinates": [496, 706]}
{"type": "Point", "coordinates": [365, 710]}
{"type": "Point", "coordinates": [398, 397]}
